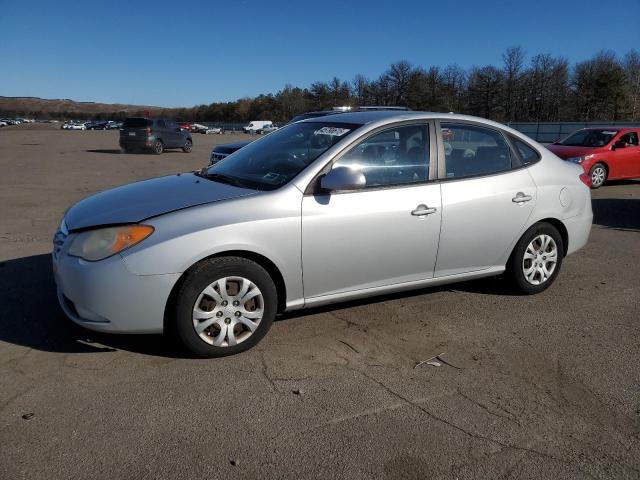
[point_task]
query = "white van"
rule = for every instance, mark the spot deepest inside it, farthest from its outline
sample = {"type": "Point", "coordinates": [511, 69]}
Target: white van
{"type": "Point", "coordinates": [255, 125]}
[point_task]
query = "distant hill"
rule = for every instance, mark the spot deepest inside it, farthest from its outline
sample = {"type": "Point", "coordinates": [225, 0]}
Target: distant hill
{"type": "Point", "coordinates": [34, 106]}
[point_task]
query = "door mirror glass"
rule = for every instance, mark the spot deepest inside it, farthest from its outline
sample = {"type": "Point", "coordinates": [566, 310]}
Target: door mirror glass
{"type": "Point", "coordinates": [343, 178]}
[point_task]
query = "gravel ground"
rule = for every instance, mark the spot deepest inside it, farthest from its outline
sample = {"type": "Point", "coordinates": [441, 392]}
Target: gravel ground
{"type": "Point", "coordinates": [546, 386]}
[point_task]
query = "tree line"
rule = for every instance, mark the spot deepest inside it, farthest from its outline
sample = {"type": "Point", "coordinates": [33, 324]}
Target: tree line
{"type": "Point", "coordinates": [541, 88]}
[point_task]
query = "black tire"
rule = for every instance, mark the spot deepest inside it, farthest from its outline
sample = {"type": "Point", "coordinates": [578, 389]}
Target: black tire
{"type": "Point", "coordinates": [516, 264]}
{"type": "Point", "coordinates": [125, 150]}
{"type": "Point", "coordinates": [203, 275]}
{"type": "Point", "coordinates": [188, 145]}
{"type": "Point", "coordinates": [600, 173]}
{"type": "Point", "coordinates": [158, 147]}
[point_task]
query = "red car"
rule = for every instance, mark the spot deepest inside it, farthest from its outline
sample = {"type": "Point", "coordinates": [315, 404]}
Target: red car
{"type": "Point", "coordinates": [185, 126]}
{"type": "Point", "coordinates": [604, 153]}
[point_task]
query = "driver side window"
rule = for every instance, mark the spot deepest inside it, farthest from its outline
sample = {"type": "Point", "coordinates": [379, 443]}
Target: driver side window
{"type": "Point", "coordinates": [398, 156]}
{"type": "Point", "coordinates": [630, 138]}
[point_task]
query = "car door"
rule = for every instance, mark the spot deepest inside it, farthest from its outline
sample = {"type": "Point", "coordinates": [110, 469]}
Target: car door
{"type": "Point", "coordinates": [383, 234]}
{"type": "Point", "coordinates": [173, 134]}
{"type": "Point", "coordinates": [486, 198]}
{"type": "Point", "coordinates": [625, 160]}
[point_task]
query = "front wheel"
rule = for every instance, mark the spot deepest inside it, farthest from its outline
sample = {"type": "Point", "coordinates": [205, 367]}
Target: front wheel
{"type": "Point", "coordinates": [536, 259]}
{"type": "Point", "coordinates": [598, 174]}
{"type": "Point", "coordinates": [224, 306]}
{"type": "Point", "coordinates": [186, 148]}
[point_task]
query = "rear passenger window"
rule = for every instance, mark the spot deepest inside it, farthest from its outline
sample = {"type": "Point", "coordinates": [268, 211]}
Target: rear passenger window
{"type": "Point", "coordinates": [471, 151]}
{"type": "Point", "coordinates": [527, 154]}
{"type": "Point", "coordinates": [161, 124]}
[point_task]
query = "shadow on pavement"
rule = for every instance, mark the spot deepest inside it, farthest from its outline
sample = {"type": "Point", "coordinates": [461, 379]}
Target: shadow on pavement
{"type": "Point", "coordinates": [30, 316]}
{"type": "Point", "coordinates": [113, 151]}
{"type": "Point", "coordinates": [617, 213]}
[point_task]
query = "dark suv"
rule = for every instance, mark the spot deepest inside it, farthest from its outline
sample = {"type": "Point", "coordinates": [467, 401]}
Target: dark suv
{"type": "Point", "coordinates": [155, 134]}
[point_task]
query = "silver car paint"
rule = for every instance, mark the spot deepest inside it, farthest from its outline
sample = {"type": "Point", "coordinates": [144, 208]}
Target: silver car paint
{"type": "Point", "coordinates": [136, 201]}
{"type": "Point", "coordinates": [293, 232]}
{"type": "Point", "coordinates": [480, 220]}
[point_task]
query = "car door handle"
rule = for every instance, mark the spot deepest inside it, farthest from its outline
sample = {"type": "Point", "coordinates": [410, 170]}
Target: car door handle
{"type": "Point", "coordinates": [422, 210]}
{"type": "Point", "coordinates": [521, 198]}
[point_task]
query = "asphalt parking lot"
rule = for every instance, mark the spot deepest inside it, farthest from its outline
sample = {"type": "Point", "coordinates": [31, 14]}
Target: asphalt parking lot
{"type": "Point", "coordinates": [546, 386]}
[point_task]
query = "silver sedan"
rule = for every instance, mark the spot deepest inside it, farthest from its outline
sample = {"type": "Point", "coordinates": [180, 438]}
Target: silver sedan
{"type": "Point", "coordinates": [320, 211]}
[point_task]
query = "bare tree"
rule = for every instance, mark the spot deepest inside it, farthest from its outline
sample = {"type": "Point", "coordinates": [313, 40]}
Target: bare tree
{"type": "Point", "coordinates": [398, 77]}
{"type": "Point", "coordinates": [631, 65]}
{"type": "Point", "coordinates": [484, 92]}
{"type": "Point", "coordinates": [359, 89]}
{"type": "Point", "coordinates": [513, 63]}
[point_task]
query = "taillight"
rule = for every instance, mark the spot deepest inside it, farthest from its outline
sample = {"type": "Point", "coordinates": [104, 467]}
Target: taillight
{"type": "Point", "coordinates": [586, 179]}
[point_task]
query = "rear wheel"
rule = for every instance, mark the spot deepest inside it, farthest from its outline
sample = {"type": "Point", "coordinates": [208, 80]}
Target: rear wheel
{"type": "Point", "coordinates": [224, 306]}
{"type": "Point", "coordinates": [187, 146]}
{"type": "Point", "coordinates": [598, 174]}
{"type": "Point", "coordinates": [536, 259]}
{"type": "Point", "coordinates": [158, 147]}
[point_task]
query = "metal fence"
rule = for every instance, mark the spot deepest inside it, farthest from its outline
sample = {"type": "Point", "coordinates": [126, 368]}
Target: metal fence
{"type": "Point", "coordinates": [549, 132]}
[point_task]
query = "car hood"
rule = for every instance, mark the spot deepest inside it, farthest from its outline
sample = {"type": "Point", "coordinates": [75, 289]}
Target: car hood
{"type": "Point", "coordinates": [566, 151]}
{"type": "Point", "coordinates": [141, 200]}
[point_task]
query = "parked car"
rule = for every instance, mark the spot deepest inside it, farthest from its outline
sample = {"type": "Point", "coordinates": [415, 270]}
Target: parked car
{"type": "Point", "coordinates": [155, 134]}
{"type": "Point", "coordinates": [113, 125]}
{"type": "Point", "coordinates": [603, 153]}
{"type": "Point", "coordinates": [185, 126]}
{"type": "Point", "coordinates": [214, 130]}
{"type": "Point", "coordinates": [75, 126]}
{"type": "Point", "coordinates": [256, 125]}
{"type": "Point", "coordinates": [266, 129]}
{"type": "Point", "coordinates": [198, 128]}
{"type": "Point", "coordinates": [3, 123]}
{"type": "Point", "coordinates": [221, 151]}
{"type": "Point", "coordinates": [323, 210]}
{"type": "Point", "coordinates": [99, 125]}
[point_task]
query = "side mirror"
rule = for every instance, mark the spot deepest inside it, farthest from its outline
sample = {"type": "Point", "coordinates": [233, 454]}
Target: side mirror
{"type": "Point", "coordinates": [343, 178]}
{"type": "Point", "coordinates": [618, 144]}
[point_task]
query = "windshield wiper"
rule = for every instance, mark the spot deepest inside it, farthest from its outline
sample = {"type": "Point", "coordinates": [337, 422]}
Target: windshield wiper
{"type": "Point", "coordinates": [221, 178]}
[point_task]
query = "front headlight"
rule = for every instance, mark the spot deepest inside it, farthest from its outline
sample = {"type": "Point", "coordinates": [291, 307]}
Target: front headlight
{"type": "Point", "coordinates": [101, 243]}
{"type": "Point", "coordinates": [579, 159]}
{"type": "Point", "coordinates": [575, 159]}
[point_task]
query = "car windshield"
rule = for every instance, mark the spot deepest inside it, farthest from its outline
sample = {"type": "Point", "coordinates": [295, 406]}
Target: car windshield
{"type": "Point", "coordinates": [589, 138]}
{"type": "Point", "coordinates": [276, 159]}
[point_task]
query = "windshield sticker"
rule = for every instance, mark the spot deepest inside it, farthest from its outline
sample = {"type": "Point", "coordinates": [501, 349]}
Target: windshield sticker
{"type": "Point", "coordinates": [333, 131]}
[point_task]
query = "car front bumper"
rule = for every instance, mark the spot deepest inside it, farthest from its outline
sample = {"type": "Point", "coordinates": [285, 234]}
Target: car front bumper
{"type": "Point", "coordinates": [105, 296]}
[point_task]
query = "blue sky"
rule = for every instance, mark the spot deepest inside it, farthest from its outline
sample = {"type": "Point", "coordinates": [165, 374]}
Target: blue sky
{"type": "Point", "coordinates": [183, 53]}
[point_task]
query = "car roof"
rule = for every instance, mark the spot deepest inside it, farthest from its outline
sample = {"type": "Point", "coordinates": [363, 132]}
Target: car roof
{"type": "Point", "coordinates": [366, 117]}
{"type": "Point", "coordinates": [617, 129]}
